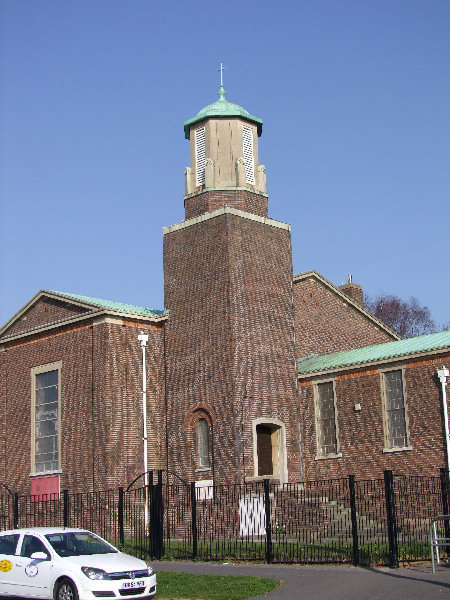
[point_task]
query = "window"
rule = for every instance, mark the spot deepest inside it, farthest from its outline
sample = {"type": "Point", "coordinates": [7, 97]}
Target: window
{"type": "Point", "coordinates": [203, 444]}
{"type": "Point", "coordinates": [78, 544]}
{"type": "Point", "coordinates": [247, 142]}
{"type": "Point", "coordinates": [45, 422]}
{"type": "Point", "coordinates": [269, 449]}
{"type": "Point", "coordinates": [8, 543]}
{"type": "Point", "coordinates": [200, 156]}
{"type": "Point", "coordinates": [394, 410]}
{"type": "Point", "coordinates": [32, 544]}
{"type": "Point", "coordinates": [264, 448]}
{"type": "Point", "coordinates": [326, 425]}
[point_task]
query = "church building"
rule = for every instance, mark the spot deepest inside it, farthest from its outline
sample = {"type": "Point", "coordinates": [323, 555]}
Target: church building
{"type": "Point", "coordinates": [251, 372]}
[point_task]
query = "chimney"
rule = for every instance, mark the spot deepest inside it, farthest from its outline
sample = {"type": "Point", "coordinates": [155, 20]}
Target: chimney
{"type": "Point", "coordinates": [353, 291]}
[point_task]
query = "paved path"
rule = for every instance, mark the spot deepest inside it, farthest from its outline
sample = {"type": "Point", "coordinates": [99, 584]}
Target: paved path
{"type": "Point", "coordinates": [334, 582]}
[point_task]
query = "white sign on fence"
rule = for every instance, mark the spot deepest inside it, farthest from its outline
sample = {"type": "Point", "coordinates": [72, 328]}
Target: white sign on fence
{"type": "Point", "coordinates": [252, 516]}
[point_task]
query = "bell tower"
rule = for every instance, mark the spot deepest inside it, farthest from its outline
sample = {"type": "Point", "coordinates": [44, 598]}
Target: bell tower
{"type": "Point", "coordinates": [224, 160]}
{"type": "Point", "coordinates": [230, 364]}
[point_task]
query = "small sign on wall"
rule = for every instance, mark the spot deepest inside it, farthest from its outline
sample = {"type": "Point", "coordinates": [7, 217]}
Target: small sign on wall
{"type": "Point", "coordinates": [204, 489]}
{"type": "Point", "coordinates": [44, 488]}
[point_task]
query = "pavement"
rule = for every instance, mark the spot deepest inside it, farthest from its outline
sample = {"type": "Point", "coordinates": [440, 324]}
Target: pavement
{"type": "Point", "coordinates": [415, 582]}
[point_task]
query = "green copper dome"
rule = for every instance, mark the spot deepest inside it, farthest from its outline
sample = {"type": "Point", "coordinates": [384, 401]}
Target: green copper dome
{"type": "Point", "coordinates": [222, 108]}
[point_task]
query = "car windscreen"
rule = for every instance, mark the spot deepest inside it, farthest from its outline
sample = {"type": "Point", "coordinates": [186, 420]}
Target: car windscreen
{"type": "Point", "coordinates": [78, 544]}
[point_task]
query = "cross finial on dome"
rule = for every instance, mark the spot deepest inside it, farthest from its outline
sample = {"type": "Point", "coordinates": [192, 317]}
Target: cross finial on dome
{"type": "Point", "coordinates": [222, 69]}
{"type": "Point", "coordinates": [222, 89]}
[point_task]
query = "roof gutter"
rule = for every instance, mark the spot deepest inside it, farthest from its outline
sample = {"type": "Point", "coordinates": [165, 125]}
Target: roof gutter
{"type": "Point", "coordinates": [94, 314]}
{"type": "Point", "coordinates": [374, 363]}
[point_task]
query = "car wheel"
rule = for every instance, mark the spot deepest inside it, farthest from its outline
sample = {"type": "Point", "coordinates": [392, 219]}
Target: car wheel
{"type": "Point", "coordinates": [66, 590]}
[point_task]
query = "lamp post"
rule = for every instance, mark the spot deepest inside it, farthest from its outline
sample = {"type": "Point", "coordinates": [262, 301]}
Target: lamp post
{"type": "Point", "coordinates": [143, 339]}
{"type": "Point", "coordinates": [443, 373]}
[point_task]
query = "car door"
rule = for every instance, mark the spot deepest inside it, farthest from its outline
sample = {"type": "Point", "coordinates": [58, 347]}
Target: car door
{"type": "Point", "coordinates": [32, 576]}
{"type": "Point", "coordinates": [8, 545]}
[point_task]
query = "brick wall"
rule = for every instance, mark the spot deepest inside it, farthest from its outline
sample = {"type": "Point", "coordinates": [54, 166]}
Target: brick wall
{"type": "Point", "coordinates": [361, 433]}
{"type": "Point", "coordinates": [208, 201]}
{"type": "Point", "coordinates": [17, 360]}
{"type": "Point", "coordinates": [325, 322]}
{"type": "Point", "coordinates": [229, 339]}
{"type": "Point", "coordinates": [117, 394]}
{"type": "Point", "coordinates": [101, 404]}
{"type": "Point", "coordinates": [199, 356]}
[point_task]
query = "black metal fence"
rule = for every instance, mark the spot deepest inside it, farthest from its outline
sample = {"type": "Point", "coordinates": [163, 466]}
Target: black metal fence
{"type": "Point", "coordinates": [383, 521]}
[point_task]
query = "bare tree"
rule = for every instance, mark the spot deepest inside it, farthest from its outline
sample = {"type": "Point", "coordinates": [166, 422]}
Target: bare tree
{"type": "Point", "coordinates": [407, 318]}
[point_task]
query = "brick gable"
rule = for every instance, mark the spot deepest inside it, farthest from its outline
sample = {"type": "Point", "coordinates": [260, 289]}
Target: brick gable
{"type": "Point", "coordinates": [43, 310]}
{"type": "Point", "coordinates": [327, 321]}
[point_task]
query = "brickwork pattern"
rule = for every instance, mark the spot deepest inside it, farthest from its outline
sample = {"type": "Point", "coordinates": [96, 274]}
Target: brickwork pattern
{"type": "Point", "coordinates": [326, 323]}
{"type": "Point", "coordinates": [208, 201]}
{"type": "Point", "coordinates": [197, 290]}
{"type": "Point", "coordinates": [118, 396]}
{"type": "Point", "coordinates": [47, 310]}
{"type": "Point", "coordinates": [361, 433]}
{"type": "Point", "coordinates": [101, 404]}
{"type": "Point", "coordinates": [262, 318]}
{"type": "Point", "coordinates": [229, 338]}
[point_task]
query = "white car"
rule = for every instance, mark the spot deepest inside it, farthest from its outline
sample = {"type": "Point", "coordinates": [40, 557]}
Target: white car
{"type": "Point", "coordinates": [69, 564]}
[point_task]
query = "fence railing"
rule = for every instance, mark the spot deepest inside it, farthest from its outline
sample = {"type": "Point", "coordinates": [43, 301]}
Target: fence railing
{"type": "Point", "coordinates": [362, 522]}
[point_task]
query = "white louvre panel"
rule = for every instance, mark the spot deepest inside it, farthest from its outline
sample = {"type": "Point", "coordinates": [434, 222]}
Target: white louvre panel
{"type": "Point", "coordinates": [247, 139]}
{"type": "Point", "coordinates": [200, 156]}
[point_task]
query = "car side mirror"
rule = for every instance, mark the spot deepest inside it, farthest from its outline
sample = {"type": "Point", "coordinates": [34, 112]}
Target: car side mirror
{"type": "Point", "coordinates": [39, 556]}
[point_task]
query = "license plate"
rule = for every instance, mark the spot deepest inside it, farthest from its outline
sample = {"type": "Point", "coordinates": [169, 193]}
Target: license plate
{"type": "Point", "coordinates": [133, 584]}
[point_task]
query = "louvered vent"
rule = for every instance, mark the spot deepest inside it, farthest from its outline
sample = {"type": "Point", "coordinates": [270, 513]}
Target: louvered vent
{"type": "Point", "coordinates": [247, 139]}
{"type": "Point", "coordinates": [200, 159]}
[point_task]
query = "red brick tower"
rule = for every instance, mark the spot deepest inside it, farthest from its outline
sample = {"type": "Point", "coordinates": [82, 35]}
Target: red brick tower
{"type": "Point", "coordinates": [231, 393]}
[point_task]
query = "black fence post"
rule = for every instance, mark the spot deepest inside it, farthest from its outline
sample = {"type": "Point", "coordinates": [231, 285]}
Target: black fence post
{"type": "Point", "coordinates": [156, 519]}
{"type": "Point", "coordinates": [194, 520]}
{"type": "Point", "coordinates": [268, 524]}
{"type": "Point", "coordinates": [391, 523]}
{"type": "Point", "coordinates": [148, 498]}
{"type": "Point", "coordinates": [120, 519]}
{"type": "Point", "coordinates": [160, 514]}
{"type": "Point", "coordinates": [152, 516]}
{"type": "Point", "coordinates": [65, 508]}
{"type": "Point", "coordinates": [16, 511]}
{"type": "Point", "coordinates": [351, 486]}
{"type": "Point", "coordinates": [444, 490]}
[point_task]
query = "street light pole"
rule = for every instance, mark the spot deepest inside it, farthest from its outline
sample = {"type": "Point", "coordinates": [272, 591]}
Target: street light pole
{"type": "Point", "coordinates": [443, 374]}
{"type": "Point", "coordinates": [143, 339]}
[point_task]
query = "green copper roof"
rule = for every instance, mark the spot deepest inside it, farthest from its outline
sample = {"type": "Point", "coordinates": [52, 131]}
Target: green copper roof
{"type": "Point", "coordinates": [373, 354]}
{"type": "Point", "coordinates": [117, 306]}
{"type": "Point", "coordinates": [222, 108]}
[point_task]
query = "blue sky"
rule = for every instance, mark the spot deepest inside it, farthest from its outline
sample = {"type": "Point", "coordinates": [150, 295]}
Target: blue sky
{"type": "Point", "coordinates": [355, 99]}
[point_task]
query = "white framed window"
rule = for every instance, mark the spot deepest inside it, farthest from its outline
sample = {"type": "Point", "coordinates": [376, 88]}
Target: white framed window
{"type": "Point", "coordinates": [45, 421]}
{"type": "Point", "coordinates": [200, 156]}
{"type": "Point", "coordinates": [204, 461]}
{"type": "Point", "coordinates": [247, 143]}
{"type": "Point", "coordinates": [326, 419]}
{"type": "Point", "coordinates": [395, 417]}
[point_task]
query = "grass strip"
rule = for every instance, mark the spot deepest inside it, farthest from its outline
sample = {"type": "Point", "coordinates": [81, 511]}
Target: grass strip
{"type": "Point", "coordinates": [185, 586]}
